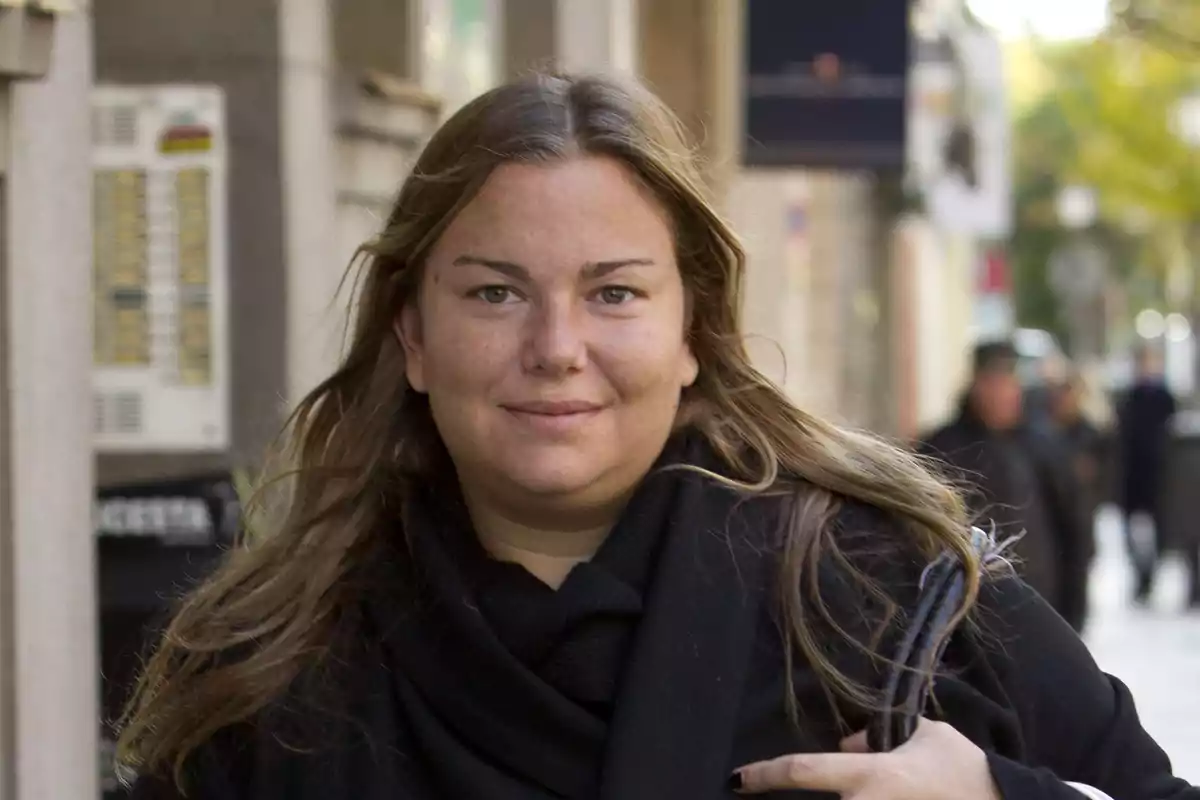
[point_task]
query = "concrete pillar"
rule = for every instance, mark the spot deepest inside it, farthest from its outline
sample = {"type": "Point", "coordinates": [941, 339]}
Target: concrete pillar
{"type": "Point", "coordinates": [722, 141]}
{"type": "Point", "coordinates": [47, 572]}
{"type": "Point", "coordinates": [597, 35]}
{"type": "Point", "coordinates": [690, 54]}
{"type": "Point", "coordinates": [8, 644]}
{"type": "Point", "coordinates": [572, 35]}
{"type": "Point", "coordinates": [529, 35]}
{"type": "Point", "coordinates": [315, 319]}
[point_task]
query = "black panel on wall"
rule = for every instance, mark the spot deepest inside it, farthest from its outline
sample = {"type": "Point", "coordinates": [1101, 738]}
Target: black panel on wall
{"type": "Point", "coordinates": [825, 83]}
{"type": "Point", "coordinates": [155, 541]}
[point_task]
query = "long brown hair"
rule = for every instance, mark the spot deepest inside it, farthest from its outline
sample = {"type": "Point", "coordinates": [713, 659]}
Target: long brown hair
{"type": "Point", "coordinates": [240, 640]}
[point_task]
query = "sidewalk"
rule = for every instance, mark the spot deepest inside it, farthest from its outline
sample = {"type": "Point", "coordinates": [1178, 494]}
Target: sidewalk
{"type": "Point", "coordinates": [1155, 650]}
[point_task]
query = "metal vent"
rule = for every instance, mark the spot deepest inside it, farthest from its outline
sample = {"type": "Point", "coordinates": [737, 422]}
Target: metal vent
{"type": "Point", "coordinates": [115, 126]}
{"type": "Point", "coordinates": [118, 413]}
{"type": "Point", "coordinates": [127, 412]}
{"type": "Point", "coordinates": [99, 415]}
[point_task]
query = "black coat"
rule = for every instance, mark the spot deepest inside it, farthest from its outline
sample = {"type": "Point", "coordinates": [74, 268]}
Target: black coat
{"type": "Point", "coordinates": [1089, 451]}
{"type": "Point", "coordinates": [1143, 418]}
{"type": "Point", "coordinates": [1023, 482]}
{"type": "Point", "coordinates": [677, 682]}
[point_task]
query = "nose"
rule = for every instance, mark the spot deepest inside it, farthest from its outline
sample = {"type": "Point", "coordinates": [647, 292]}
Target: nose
{"type": "Point", "coordinates": [555, 343]}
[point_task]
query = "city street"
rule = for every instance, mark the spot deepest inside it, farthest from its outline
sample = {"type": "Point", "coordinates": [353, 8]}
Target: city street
{"type": "Point", "coordinates": [1156, 650]}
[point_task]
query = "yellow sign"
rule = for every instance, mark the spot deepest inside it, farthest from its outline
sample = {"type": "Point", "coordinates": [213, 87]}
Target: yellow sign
{"type": "Point", "coordinates": [120, 261]}
{"type": "Point", "coordinates": [185, 135]}
{"type": "Point", "coordinates": [195, 306]}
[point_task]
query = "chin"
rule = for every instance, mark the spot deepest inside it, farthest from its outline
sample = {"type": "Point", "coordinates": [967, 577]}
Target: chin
{"type": "Point", "coordinates": [550, 473]}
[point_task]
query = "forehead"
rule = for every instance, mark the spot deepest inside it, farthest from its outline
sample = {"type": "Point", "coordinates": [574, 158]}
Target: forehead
{"type": "Point", "coordinates": [584, 208]}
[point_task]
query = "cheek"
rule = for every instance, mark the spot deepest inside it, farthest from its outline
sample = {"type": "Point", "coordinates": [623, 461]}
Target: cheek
{"type": "Point", "coordinates": [458, 357]}
{"type": "Point", "coordinates": [643, 357]}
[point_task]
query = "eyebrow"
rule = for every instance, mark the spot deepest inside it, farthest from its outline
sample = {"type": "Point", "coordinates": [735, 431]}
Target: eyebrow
{"type": "Point", "coordinates": [591, 270]}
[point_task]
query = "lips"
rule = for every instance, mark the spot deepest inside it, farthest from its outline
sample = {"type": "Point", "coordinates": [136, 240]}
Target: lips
{"type": "Point", "coordinates": [554, 408]}
{"type": "Point", "coordinates": [554, 419]}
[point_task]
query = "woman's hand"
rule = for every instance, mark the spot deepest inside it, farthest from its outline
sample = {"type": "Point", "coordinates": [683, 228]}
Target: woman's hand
{"type": "Point", "coordinates": [937, 763]}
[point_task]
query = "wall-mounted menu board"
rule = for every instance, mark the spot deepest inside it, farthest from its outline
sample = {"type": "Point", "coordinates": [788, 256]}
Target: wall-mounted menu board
{"type": "Point", "coordinates": [160, 269]}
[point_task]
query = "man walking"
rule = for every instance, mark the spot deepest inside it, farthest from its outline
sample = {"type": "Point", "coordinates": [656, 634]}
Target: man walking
{"type": "Point", "coordinates": [1142, 421]}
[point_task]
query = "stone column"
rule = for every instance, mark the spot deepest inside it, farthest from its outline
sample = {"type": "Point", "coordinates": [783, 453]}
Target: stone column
{"type": "Point", "coordinates": [315, 317]}
{"type": "Point", "coordinates": [597, 35]}
{"type": "Point", "coordinates": [573, 35]}
{"type": "Point", "coordinates": [47, 561]}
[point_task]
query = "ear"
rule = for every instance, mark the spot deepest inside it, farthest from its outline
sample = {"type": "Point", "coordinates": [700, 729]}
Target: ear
{"type": "Point", "coordinates": [689, 367]}
{"type": "Point", "coordinates": [407, 326]}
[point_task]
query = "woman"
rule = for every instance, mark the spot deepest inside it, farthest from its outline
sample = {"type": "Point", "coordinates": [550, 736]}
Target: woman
{"type": "Point", "coordinates": [550, 534]}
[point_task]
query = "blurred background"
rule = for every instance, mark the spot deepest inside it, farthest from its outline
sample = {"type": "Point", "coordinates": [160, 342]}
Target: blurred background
{"type": "Point", "coordinates": [182, 185]}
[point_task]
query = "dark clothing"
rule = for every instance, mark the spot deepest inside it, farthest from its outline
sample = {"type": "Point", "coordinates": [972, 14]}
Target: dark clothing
{"type": "Point", "coordinates": [1021, 482]}
{"type": "Point", "coordinates": [1180, 502]}
{"type": "Point", "coordinates": [654, 670]}
{"type": "Point", "coordinates": [1143, 419]}
{"type": "Point", "coordinates": [1038, 410]}
{"type": "Point", "coordinates": [1087, 449]}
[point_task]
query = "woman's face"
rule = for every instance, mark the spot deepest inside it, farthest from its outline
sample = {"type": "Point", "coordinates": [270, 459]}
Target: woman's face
{"type": "Point", "coordinates": [549, 335]}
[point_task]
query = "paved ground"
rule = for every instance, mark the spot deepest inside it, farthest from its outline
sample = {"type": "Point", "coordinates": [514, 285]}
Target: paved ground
{"type": "Point", "coordinates": [1155, 650]}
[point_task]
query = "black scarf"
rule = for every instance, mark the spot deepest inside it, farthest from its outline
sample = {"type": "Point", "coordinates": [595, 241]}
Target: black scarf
{"type": "Point", "coordinates": [623, 684]}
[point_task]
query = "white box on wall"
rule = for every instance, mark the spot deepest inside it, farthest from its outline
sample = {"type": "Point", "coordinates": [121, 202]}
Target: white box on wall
{"type": "Point", "coordinates": [160, 269]}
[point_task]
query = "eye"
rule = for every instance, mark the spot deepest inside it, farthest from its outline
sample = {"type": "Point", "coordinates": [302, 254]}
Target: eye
{"type": "Point", "coordinates": [494, 295]}
{"type": "Point", "coordinates": [615, 295]}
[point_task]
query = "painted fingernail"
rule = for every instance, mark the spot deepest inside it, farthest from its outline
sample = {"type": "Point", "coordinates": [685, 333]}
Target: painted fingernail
{"type": "Point", "coordinates": [734, 782]}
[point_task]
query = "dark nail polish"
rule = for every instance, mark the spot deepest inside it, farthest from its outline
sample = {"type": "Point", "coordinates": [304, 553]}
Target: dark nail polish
{"type": "Point", "coordinates": [734, 782]}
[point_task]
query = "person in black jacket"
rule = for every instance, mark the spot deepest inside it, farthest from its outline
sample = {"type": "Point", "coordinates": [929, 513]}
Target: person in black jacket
{"type": "Point", "coordinates": [1019, 478]}
{"type": "Point", "coordinates": [1143, 417]}
{"type": "Point", "coordinates": [550, 535]}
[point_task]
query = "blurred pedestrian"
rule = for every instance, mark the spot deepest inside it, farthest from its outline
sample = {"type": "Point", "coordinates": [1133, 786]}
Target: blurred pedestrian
{"type": "Point", "coordinates": [1143, 421]}
{"type": "Point", "coordinates": [1086, 448]}
{"type": "Point", "coordinates": [1049, 372]}
{"type": "Point", "coordinates": [1086, 444]}
{"type": "Point", "coordinates": [1017, 477]}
